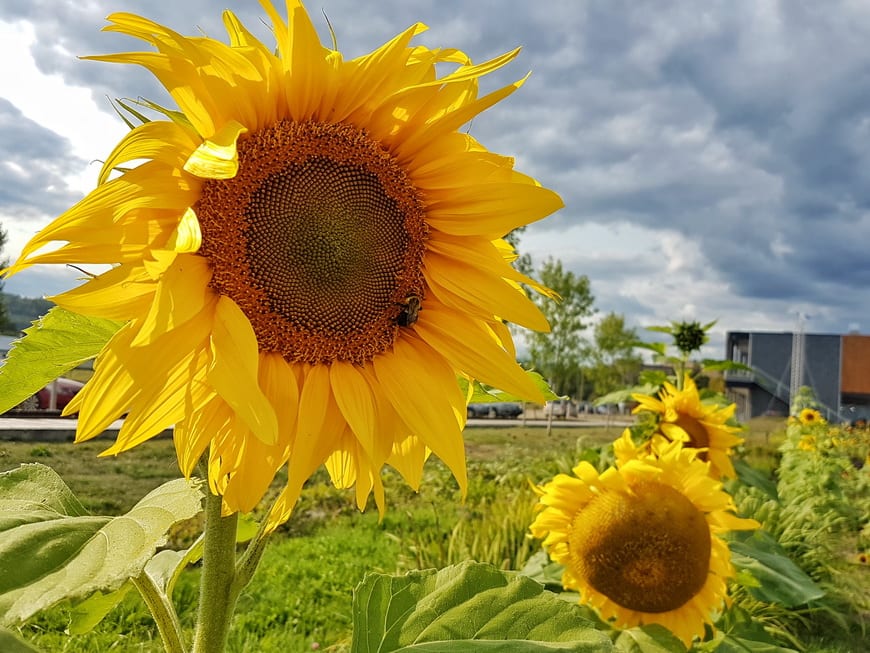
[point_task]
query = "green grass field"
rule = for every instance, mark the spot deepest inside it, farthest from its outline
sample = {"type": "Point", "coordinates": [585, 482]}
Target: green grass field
{"type": "Point", "coordinates": [300, 599]}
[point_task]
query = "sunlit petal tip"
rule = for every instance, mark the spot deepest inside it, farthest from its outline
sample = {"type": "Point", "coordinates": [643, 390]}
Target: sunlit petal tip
{"type": "Point", "coordinates": [217, 157]}
{"type": "Point", "coordinates": [188, 236]}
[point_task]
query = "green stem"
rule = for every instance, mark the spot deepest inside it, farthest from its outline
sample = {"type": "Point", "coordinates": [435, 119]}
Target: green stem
{"type": "Point", "coordinates": [163, 613]}
{"type": "Point", "coordinates": [218, 589]}
{"type": "Point", "coordinates": [250, 559]}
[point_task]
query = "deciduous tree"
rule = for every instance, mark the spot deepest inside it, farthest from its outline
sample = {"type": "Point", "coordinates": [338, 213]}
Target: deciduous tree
{"type": "Point", "coordinates": [560, 354]}
{"type": "Point", "coordinates": [615, 365]}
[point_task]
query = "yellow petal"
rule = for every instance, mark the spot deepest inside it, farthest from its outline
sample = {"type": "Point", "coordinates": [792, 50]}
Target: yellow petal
{"type": "Point", "coordinates": [280, 387]}
{"type": "Point", "coordinates": [108, 393]}
{"type": "Point", "coordinates": [491, 210]}
{"type": "Point", "coordinates": [354, 397]}
{"type": "Point", "coordinates": [474, 351]}
{"type": "Point", "coordinates": [121, 293]}
{"type": "Point", "coordinates": [217, 157]}
{"type": "Point", "coordinates": [194, 432]}
{"type": "Point", "coordinates": [161, 140]}
{"type": "Point", "coordinates": [423, 390]}
{"type": "Point", "coordinates": [233, 371]}
{"type": "Point", "coordinates": [450, 278]}
{"type": "Point", "coordinates": [181, 295]}
{"type": "Point", "coordinates": [187, 238]}
{"type": "Point", "coordinates": [156, 407]}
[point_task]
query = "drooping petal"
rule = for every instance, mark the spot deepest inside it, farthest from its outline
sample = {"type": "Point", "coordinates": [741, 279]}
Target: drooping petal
{"type": "Point", "coordinates": [233, 370]}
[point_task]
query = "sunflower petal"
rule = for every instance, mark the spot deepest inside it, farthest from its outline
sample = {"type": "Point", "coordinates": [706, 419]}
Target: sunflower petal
{"type": "Point", "coordinates": [233, 370]}
{"type": "Point", "coordinates": [415, 371]}
{"type": "Point", "coordinates": [217, 157]}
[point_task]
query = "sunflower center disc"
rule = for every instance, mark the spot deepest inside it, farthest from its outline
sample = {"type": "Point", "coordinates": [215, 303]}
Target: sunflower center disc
{"type": "Point", "coordinates": [319, 239]}
{"type": "Point", "coordinates": [648, 552]}
{"type": "Point", "coordinates": [698, 436]}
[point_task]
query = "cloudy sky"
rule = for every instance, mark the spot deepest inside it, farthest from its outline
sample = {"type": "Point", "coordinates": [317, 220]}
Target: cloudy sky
{"type": "Point", "coordinates": [714, 157]}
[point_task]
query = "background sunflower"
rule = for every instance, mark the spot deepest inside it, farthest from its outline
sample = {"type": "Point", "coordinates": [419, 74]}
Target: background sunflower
{"type": "Point", "coordinates": [640, 543]}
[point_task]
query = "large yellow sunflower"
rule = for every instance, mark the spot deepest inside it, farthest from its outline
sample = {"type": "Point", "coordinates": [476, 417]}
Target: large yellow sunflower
{"type": "Point", "coordinates": [640, 543]}
{"type": "Point", "coordinates": [682, 416]}
{"type": "Point", "coordinates": [306, 256]}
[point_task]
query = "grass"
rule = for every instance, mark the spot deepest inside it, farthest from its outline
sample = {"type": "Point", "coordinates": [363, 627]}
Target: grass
{"type": "Point", "coordinates": [301, 596]}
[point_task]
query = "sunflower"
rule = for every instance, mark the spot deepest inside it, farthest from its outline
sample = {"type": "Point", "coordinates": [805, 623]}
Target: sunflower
{"type": "Point", "coordinates": [640, 542]}
{"type": "Point", "coordinates": [682, 416]}
{"type": "Point", "coordinates": [809, 416]}
{"type": "Point", "coordinates": [305, 256]}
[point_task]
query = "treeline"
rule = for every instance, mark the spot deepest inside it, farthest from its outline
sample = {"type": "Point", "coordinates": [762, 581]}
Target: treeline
{"type": "Point", "coordinates": [585, 355]}
{"type": "Point", "coordinates": [21, 311]}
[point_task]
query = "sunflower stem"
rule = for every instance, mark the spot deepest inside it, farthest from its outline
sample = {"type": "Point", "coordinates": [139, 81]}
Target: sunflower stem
{"type": "Point", "coordinates": [162, 611]}
{"type": "Point", "coordinates": [218, 589]}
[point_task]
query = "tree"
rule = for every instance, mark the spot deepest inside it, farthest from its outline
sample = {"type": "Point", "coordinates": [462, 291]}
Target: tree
{"type": "Point", "coordinates": [615, 365]}
{"type": "Point", "coordinates": [5, 324]}
{"type": "Point", "coordinates": [559, 355]}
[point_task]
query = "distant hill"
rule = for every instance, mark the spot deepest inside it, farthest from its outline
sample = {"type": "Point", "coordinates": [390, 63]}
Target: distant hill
{"type": "Point", "coordinates": [24, 310]}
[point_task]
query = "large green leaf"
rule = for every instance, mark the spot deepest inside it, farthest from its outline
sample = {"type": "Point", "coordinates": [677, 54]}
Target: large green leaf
{"type": "Point", "coordinates": [718, 365]}
{"type": "Point", "coordinates": [467, 607]}
{"type": "Point", "coordinates": [649, 639]}
{"type": "Point", "coordinates": [779, 579]}
{"type": "Point", "coordinates": [754, 478]}
{"type": "Point", "coordinates": [624, 395]}
{"type": "Point", "coordinates": [50, 551]}
{"type": "Point", "coordinates": [86, 615]}
{"type": "Point", "coordinates": [738, 632]}
{"type": "Point", "coordinates": [55, 344]}
{"type": "Point", "coordinates": [540, 569]}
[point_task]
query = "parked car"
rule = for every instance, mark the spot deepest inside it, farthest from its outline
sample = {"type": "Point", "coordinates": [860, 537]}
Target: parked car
{"type": "Point", "coordinates": [561, 408]}
{"type": "Point", "coordinates": [64, 389]}
{"type": "Point", "coordinates": [503, 409]}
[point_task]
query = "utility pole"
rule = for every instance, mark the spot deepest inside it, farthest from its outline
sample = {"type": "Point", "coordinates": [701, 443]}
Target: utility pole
{"type": "Point", "coordinates": [798, 342]}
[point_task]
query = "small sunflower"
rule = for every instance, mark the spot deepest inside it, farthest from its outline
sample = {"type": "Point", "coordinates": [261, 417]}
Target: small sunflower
{"type": "Point", "coordinates": [682, 416]}
{"type": "Point", "coordinates": [809, 416]}
{"type": "Point", "coordinates": [305, 256]}
{"type": "Point", "coordinates": [640, 542]}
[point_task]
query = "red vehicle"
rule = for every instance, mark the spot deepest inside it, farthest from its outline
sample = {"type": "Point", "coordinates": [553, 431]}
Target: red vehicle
{"type": "Point", "coordinates": [55, 396]}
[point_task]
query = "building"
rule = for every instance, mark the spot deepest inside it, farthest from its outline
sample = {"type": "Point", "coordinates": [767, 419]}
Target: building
{"type": "Point", "coordinates": [836, 367]}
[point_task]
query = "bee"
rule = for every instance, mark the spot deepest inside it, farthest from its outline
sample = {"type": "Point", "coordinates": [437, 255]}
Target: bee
{"type": "Point", "coordinates": [410, 311]}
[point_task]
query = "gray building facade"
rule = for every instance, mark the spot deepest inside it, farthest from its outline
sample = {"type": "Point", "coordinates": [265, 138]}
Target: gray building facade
{"type": "Point", "coordinates": [780, 363]}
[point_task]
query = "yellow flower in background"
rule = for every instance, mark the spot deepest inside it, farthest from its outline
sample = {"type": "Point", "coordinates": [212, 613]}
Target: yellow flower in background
{"type": "Point", "coordinates": [305, 258]}
{"type": "Point", "coordinates": [682, 416]}
{"type": "Point", "coordinates": [640, 542]}
{"type": "Point", "coordinates": [809, 416]}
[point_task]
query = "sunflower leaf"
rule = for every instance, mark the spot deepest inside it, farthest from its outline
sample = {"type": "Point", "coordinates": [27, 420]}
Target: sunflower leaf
{"type": "Point", "coordinates": [717, 365]}
{"type": "Point", "coordinates": [84, 616]}
{"type": "Point", "coordinates": [780, 580]}
{"type": "Point", "coordinates": [55, 344]}
{"type": "Point", "coordinates": [50, 550]}
{"type": "Point", "coordinates": [482, 393]}
{"type": "Point", "coordinates": [539, 568]}
{"type": "Point", "coordinates": [466, 607]}
{"type": "Point", "coordinates": [648, 639]}
{"type": "Point", "coordinates": [740, 633]}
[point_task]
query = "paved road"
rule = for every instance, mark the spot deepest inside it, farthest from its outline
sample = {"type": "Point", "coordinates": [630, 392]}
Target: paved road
{"type": "Point", "coordinates": [60, 429]}
{"type": "Point", "coordinates": [44, 429]}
